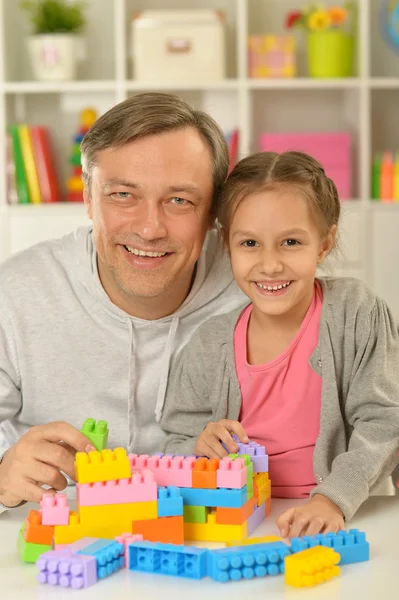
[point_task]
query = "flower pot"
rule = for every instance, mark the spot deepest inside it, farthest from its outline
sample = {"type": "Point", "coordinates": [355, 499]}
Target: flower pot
{"type": "Point", "coordinates": [330, 54]}
{"type": "Point", "coordinates": [55, 56]}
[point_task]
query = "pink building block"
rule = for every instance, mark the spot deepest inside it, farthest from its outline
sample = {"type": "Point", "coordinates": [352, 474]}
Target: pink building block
{"type": "Point", "coordinates": [332, 150]}
{"type": "Point", "coordinates": [176, 471]}
{"type": "Point", "coordinates": [54, 509]}
{"type": "Point", "coordinates": [141, 487]}
{"type": "Point", "coordinates": [126, 539]}
{"type": "Point", "coordinates": [231, 473]}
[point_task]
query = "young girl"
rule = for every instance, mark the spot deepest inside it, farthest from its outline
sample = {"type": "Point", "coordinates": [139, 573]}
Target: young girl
{"type": "Point", "coordinates": [308, 369]}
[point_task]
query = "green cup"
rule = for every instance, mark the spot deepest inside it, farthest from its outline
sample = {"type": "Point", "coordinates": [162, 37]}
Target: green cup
{"type": "Point", "coordinates": [330, 53]}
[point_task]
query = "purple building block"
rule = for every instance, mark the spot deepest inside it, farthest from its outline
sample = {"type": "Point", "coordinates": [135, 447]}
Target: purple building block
{"type": "Point", "coordinates": [257, 517]}
{"type": "Point", "coordinates": [66, 569]}
{"type": "Point", "coordinates": [259, 458]}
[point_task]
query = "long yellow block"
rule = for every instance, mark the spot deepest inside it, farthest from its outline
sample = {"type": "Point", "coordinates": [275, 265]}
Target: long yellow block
{"type": "Point", "coordinates": [94, 467]}
{"type": "Point", "coordinates": [213, 532]}
{"type": "Point", "coordinates": [66, 534]}
{"type": "Point", "coordinates": [311, 567]}
{"type": "Point", "coordinates": [115, 513]}
{"type": "Point", "coordinates": [266, 539]}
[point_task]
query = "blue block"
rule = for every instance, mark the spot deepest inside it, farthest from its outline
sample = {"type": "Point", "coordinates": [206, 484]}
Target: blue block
{"type": "Point", "coordinates": [170, 502]}
{"type": "Point", "coordinates": [109, 555]}
{"type": "Point", "coordinates": [222, 497]}
{"type": "Point", "coordinates": [351, 545]}
{"type": "Point", "coordinates": [247, 562]}
{"type": "Point", "coordinates": [168, 559]}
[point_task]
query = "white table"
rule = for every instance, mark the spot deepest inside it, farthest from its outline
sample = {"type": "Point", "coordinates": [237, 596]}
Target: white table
{"type": "Point", "coordinates": [376, 579]}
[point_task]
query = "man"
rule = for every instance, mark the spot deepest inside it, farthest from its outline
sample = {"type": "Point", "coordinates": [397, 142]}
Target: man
{"type": "Point", "coordinates": [90, 323]}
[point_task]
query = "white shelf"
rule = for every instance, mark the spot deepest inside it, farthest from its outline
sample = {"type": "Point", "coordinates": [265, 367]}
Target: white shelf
{"type": "Point", "coordinates": [308, 83]}
{"type": "Point", "coordinates": [224, 84]}
{"type": "Point", "coordinates": [34, 87]}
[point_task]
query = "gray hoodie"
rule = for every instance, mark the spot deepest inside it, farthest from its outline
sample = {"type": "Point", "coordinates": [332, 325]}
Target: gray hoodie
{"type": "Point", "coordinates": [68, 353]}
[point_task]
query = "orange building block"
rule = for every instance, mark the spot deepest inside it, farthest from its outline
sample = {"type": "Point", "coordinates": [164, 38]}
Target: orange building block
{"type": "Point", "coordinates": [204, 473]}
{"type": "Point", "coordinates": [235, 516]}
{"type": "Point", "coordinates": [268, 506]}
{"type": "Point", "coordinates": [35, 532]}
{"type": "Point", "coordinates": [169, 530]}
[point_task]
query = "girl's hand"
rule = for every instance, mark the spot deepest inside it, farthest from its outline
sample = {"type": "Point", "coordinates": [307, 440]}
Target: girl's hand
{"type": "Point", "coordinates": [319, 515]}
{"type": "Point", "coordinates": [209, 443]}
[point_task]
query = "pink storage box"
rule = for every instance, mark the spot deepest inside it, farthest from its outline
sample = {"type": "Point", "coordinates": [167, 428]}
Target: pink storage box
{"type": "Point", "coordinates": [332, 150]}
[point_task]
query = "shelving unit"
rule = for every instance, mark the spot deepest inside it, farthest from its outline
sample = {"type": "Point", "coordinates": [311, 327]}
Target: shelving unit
{"type": "Point", "coordinates": [366, 104]}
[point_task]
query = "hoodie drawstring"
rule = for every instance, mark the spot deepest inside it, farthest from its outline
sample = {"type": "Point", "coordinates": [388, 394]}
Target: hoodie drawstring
{"type": "Point", "coordinates": [164, 371]}
{"type": "Point", "coordinates": [131, 387]}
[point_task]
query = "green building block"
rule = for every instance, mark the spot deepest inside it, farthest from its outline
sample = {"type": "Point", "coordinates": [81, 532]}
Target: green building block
{"type": "Point", "coordinates": [250, 472]}
{"type": "Point", "coordinates": [97, 433]}
{"type": "Point", "coordinates": [196, 514]}
{"type": "Point", "coordinates": [27, 551]}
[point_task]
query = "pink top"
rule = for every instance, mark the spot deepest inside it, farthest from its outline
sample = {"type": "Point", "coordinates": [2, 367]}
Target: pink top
{"type": "Point", "coordinates": [281, 403]}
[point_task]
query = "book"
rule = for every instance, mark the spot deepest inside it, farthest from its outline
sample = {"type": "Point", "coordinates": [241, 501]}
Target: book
{"type": "Point", "coordinates": [20, 175]}
{"type": "Point", "coordinates": [45, 164]}
{"type": "Point", "coordinates": [11, 180]}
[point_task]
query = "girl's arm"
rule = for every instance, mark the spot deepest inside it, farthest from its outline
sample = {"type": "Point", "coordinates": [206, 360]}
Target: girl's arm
{"type": "Point", "coordinates": [372, 409]}
{"type": "Point", "coordinates": [200, 389]}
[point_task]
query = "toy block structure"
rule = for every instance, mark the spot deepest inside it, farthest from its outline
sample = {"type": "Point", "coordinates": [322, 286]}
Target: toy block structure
{"type": "Point", "coordinates": [94, 467]}
{"type": "Point", "coordinates": [165, 529]}
{"type": "Point", "coordinates": [167, 470]}
{"type": "Point", "coordinates": [74, 183]}
{"type": "Point", "coordinates": [351, 545]}
{"type": "Point", "coordinates": [96, 432]}
{"type": "Point", "coordinates": [204, 473]}
{"type": "Point", "coordinates": [29, 552]}
{"type": "Point", "coordinates": [54, 509]}
{"type": "Point", "coordinates": [140, 487]}
{"type": "Point", "coordinates": [311, 567]}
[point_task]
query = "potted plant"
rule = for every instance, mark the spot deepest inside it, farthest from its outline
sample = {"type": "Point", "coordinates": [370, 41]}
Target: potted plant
{"type": "Point", "coordinates": [55, 45]}
{"type": "Point", "coordinates": [330, 38]}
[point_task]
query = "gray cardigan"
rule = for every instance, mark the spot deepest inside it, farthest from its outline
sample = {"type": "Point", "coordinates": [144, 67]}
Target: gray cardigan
{"type": "Point", "coordinates": [357, 356]}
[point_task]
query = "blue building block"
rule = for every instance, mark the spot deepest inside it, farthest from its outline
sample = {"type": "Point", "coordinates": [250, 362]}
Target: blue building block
{"type": "Point", "coordinates": [170, 502]}
{"type": "Point", "coordinates": [351, 545]}
{"type": "Point", "coordinates": [168, 559]}
{"type": "Point", "coordinates": [222, 497]}
{"type": "Point", "coordinates": [246, 562]}
{"type": "Point", "coordinates": [109, 555]}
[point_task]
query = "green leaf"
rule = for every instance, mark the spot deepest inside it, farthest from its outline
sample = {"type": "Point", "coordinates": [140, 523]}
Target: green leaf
{"type": "Point", "coordinates": [55, 16]}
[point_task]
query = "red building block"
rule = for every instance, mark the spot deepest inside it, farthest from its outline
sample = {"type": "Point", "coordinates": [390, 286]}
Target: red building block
{"type": "Point", "coordinates": [54, 509]}
{"type": "Point", "coordinates": [204, 473]}
{"type": "Point", "coordinates": [35, 532]}
{"type": "Point", "coordinates": [169, 530]}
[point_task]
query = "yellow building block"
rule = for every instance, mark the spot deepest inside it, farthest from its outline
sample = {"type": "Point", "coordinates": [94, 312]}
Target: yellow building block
{"type": "Point", "coordinates": [93, 467]}
{"type": "Point", "coordinates": [263, 486]}
{"type": "Point", "coordinates": [110, 514]}
{"type": "Point", "coordinates": [66, 534]}
{"type": "Point", "coordinates": [311, 567]}
{"type": "Point", "coordinates": [266, 539]}
{"type": "Point", "coordinates": [213, 532]}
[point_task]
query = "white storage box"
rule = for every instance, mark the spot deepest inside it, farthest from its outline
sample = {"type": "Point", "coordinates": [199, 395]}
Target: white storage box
{"type": "Point", "coordinates": [178, 45]}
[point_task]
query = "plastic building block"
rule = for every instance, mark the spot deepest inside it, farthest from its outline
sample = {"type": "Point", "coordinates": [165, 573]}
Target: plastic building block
{"type": "Point", "coordinates": [126, 539]}
{"type": "Point", "coordinates": [311, 567]}
{"type": "Point", "coordinates": [198, 514]}
{"type": "Point", "coordinates": [204, 473]}
{"type": "Point", "coordinates": [256, 518]}
{"type": "Point", "coordinates": [141, 487]}
{"type": "Point", "coordinates": [262, 487]}
{"type": "Point", "coordinates": [249, 471]}
{"type": "Point", "coordinates": [258, 455]}
{"type": "Point", "coordinates": [220, 497]}
{"type": "Point", "coordinates": [109, 555]}
{"type": "Point", "coordinates": [266, 539]}
{"type": "Point", "coordinates": [246, 562]}
{"type": "Point", "coordinates": [351, 545]}
{"type": "Point", "coordinates": [268, 506]}
{"type": "Point", "coordinates": [108, 464]}
{"type": "Point", "coordinates": [54, 509]}
{"type": "Point", "coordinates": [80, 544]}
{"type": "Point", "coordinates": [97, 433]}
{"type": "Point", "coordinates": [232, 473]}
{"type": "Point", "coordinates": [35, 532]}
{"type": "Point", "coordinates": [168, 559]}
{"type": "Point", "coordinates": [170, 502]}
{"type": "Point", "coordinates": [167, 470]}
{"type": "Point", "coordinates": [212, 532]}
{"type": "Point", "coordinates": [63, 568]}
{"type": "Point", "coordinates": [118, 513]}
{"type": "Point", "coordinates": [235, 516]}
{"type": "Point", "coordinates": [169, 530]}
{"type": "Point", "coordinates": [75, 530]}
{"type": "Point", "coordinates": [29, 552]}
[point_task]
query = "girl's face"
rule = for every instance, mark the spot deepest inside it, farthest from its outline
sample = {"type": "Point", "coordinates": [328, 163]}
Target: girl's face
{"type": "Point", "coordinates": [275, 247]}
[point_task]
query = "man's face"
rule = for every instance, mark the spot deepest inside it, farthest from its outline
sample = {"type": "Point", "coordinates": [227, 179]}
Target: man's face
{"type": "Point", "coordinates": [150, 206]}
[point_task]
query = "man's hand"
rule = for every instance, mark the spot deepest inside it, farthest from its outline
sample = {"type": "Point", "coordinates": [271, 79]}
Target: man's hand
{"type": "Point", "coordinates": [209, 443]}
{"type": "Point", "coordinates": [37, 459]}
{"type": "Point", "coordinates": [319, 515]}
